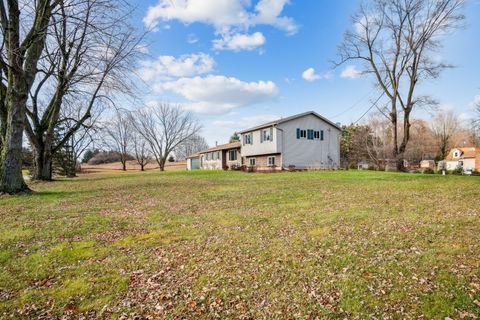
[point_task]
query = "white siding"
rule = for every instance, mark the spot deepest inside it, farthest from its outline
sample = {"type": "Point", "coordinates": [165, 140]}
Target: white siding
{"type": "Point", "coordinates": [189, 164]}
{"type": "Point", "coordinates": [257, 147]}
{"type": "Point", "coordinates": [211, 164]}
{"type": "Point", "coordinates": [452, 165]}
{"type": "Point", "coordinates": [304, 153]}
{"type": "Point", "coordinates": [469, 164]}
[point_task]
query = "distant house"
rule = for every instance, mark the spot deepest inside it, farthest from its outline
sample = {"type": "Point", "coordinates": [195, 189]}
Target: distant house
{"type": "Point", "coordinates": [424, 164]}
{"type": "Point", "coordinates": [466, 158]}
{"type": "Point", "coordinates": [364, 165]}
{"type": "Point", "coordinates": [302, 141]}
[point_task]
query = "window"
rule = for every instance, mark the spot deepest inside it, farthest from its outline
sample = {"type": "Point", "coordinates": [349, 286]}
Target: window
{"type": "Point", "coordinates": [456, 154]}
{"type": "Point", "coordinates": [232, 155]}
{"type": "Point", "coordinates": [271, 161]}
{"type": "Point", "coordinates": [266, 135]}
{"type": "Point", "coordinates": [252, 161]}
{"type": "Point", "coordinates": [248, 138]}
{"type": "Point", "coordinates": [219, 155]}
{"type": "Point", "coordinates": [310, 134]}
{"type": "Point", "coordinates": [207, 156]}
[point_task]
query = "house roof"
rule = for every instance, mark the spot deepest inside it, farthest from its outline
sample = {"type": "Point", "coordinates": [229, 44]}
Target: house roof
{"type": "Point", "coordinates": [194, 155]}
{"type": "Point", "coordinates": [220, 147]}
{"type": "Point", "coordinates": [282, 120]}
{"type": "Point", "coordinates": [470, 152]}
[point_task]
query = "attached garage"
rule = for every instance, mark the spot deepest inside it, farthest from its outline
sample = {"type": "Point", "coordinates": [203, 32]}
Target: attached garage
{"type": "Point", "coordinates": [193, 162]}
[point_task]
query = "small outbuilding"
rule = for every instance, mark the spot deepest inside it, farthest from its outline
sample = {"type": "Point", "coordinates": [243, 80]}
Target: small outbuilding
{"type": "Point", "coordinates": [430, 164]}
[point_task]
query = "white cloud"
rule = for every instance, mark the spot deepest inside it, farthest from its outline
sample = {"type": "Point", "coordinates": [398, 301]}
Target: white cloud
{"type": "Point", "coordinates": [165, 67]}
{"type": "Point", "coordinates": [310, 75]}
{"type": "Point", "coordinates": [239, 42]}
{"type": "Point", "coordinates": [228, 17]}
{"type": "Point", "coordinates": [219, 94]}
{"type": "Point", "coordinates": [351, 72]}
{"type": "Point", "coordinates": [268, 12]}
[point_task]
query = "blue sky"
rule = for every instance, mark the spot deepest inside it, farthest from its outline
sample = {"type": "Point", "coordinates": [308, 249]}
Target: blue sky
{"type": "Point", "coordinates": [237, 63]}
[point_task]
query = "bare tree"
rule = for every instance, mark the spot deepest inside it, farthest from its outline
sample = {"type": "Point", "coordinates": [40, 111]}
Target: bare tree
{"type": "Point", "coordinates": [80, 141]}
{"type": "Point", "coordinates": [23, 41]}
{"type": "Point", "coordinates": [379, 146]}
{"type": "Point", "coordinates": [164, 127]}
{"type": "Point", "coordinates": [140, 148]}
{"type": "Point", "coordinates": [89, 56]}
{"type": "Point", "coordinates": [190, 146]}
{"type": "Point", "coordinates": [118, 136]}
{"type": "Point", "coordinates": [444, 126]}
{"type": "Point", "coordinates": [395, 39]}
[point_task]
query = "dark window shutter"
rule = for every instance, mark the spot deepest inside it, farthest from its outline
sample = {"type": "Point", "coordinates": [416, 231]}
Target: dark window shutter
{"type": "Point", "coordinates": [309, 134]}
{"type": "Point", "coordinates": [321, 135]}
{"type": "Point", "coordinates": [271, 134]}
{"type": "Point", "coordinates": [298, 133]}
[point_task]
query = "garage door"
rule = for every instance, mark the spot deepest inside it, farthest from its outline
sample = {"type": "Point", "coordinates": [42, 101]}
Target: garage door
{"type": "Point", "coordinates": [195, 164]}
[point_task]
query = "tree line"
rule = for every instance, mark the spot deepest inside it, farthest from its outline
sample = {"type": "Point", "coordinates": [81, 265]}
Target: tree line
{"type": "Point", "coordinates": [429, 140]}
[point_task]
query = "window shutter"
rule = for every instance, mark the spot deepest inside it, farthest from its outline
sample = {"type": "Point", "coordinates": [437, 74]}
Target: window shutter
{"type": "Point", "coordinates": [321, 135]}
{"type": "Point", "coordinates": [271, 134]}
{"type": "Point", "coordinates": [298, 133]}
{"type": "Point", "coordinates": [261, 136]}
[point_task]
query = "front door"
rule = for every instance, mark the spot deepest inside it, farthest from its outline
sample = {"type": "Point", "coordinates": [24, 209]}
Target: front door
{"type": "Point", "coordinates": [224, 159]}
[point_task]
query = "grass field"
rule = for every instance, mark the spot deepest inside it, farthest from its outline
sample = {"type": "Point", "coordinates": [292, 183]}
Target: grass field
{"type": "Point", "coordinates": [235, 245]}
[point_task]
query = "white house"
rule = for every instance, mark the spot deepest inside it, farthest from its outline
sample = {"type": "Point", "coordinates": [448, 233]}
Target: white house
{"type": "Point", "coordinates": [302, 141]}
{"type": "Point", "coordinates": [466, 158]}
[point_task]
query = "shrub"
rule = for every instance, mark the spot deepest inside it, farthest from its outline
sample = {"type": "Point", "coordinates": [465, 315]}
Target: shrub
{"type": "Point", "coordinates": [458, 170]}
{"type": "Point", "coordinates": [107, 157]}
{"type": "Point", "coordinates": [89, 154]}
{"type": "Point", "coordinates": [171, 159]}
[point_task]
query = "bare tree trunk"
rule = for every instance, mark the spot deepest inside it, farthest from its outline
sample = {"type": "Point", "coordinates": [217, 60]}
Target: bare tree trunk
{"type": "Point", "coordinates": [42, 169]}
{"type": "Point", "coordinates": [11, 178]}
{"type": "Point", "coordinates": [22, 63]}
{"type": "Point", "coordinates": [162, 163]}
{"type": "Point", "coordinates": [403, 145]}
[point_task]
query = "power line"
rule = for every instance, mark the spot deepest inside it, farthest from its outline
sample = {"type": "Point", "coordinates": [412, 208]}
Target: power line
{"type": "Point", "coordinates": [355, 104]}
{"type": "Point", "coordinates": [371, 107]}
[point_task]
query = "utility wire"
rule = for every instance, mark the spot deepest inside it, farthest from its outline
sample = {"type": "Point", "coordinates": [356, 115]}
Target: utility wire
{"type": "Point", "coordinates": [371, 107]}
{"type": "Point", "coordinates": [355, 104]}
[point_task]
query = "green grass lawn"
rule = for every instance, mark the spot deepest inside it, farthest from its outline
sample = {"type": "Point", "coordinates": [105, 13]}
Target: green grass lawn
{"type": "Point", "coordinates": [236, 245]}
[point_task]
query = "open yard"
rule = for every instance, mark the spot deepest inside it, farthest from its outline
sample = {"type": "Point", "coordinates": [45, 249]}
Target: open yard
{"type": "Point", "coordinates": [235, 245]}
